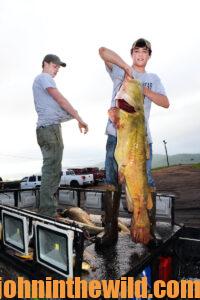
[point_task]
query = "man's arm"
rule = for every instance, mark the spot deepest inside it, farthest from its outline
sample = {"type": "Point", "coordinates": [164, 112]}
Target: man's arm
{"type": "Point", "coordinates": [110, 57]}
{"type": "Point", "coordinates": [64, 103]}
{"type": "Point", "coordinates": [158, 99]}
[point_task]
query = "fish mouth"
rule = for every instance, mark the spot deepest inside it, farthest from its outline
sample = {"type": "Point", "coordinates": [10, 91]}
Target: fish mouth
{"type": "Point", "coordinates": [122, 104]}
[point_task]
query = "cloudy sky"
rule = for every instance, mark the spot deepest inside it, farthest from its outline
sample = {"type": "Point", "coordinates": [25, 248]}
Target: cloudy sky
{"type": "Point", "coordinates": [74, 30]}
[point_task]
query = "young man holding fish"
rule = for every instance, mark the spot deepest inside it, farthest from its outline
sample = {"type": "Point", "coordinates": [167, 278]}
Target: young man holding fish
{"type": "Point", "coordinates": [153, 91]}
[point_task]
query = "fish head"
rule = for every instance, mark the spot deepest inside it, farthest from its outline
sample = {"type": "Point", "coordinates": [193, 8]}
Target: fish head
{"type": "Point", "coordinates": [130, 96]}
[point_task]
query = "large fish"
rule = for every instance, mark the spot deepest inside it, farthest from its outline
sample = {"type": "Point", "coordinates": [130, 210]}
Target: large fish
{"type": "Point", "coordinates": [83, 219]}
{"type": "Point", "coordinates": [131, 153]}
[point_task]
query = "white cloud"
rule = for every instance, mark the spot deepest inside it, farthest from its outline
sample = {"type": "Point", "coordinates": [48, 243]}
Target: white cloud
{"type": "Point", "coordinates": [75, 29]}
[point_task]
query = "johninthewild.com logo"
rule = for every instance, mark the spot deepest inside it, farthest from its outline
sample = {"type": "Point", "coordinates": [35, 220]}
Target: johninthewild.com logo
{"type": "Point", "coordinates": [77, 288]}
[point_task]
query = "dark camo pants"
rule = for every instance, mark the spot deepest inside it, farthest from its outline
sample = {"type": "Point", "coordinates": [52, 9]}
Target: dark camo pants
{"type": "Point", "coordinates": [50, 141]}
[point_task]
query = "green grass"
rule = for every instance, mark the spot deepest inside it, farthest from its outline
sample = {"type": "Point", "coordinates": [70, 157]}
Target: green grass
{"type": "Point", "coordinates": [196, 166]}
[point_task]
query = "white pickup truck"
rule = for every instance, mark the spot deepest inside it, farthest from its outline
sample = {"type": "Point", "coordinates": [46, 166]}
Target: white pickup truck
{"type": "Point", "coordinates": [30, 182]}
{"type": "Point", "coordinates": [68, 178]}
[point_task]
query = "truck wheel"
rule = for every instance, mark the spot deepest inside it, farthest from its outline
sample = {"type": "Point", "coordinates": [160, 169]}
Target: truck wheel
{"type": "Point", "coordinates": [74, 183]}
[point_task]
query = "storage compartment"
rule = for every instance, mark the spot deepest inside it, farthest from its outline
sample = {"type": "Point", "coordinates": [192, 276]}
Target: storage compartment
{"type": "Point", "coordinates": [165, 208]}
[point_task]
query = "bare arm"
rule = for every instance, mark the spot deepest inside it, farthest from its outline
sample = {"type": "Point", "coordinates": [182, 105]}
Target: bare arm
{"type": "Point", "coordinates": [110, 57]}
{"type": "Point", "coordinates": [64, 103]}
{"type": "Point", "coordinates": [158, 99]}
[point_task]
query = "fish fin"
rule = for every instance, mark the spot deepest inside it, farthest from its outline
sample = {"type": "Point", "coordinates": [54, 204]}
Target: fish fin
{"type": "Point", "coordinates": [140, 235]}
{"type": "Point", "coordinates": [121, 175]}
{"type": "Point", "coordinates": [149, 201]}
{"type": "Point", "coordinates": [140, 226]}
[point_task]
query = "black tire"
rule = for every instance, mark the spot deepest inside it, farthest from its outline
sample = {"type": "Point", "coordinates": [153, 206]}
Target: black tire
{"type": "Point", "coordinates": [74, 183]}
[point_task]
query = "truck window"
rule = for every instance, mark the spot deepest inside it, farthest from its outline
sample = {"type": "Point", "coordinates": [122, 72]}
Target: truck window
{"type": "Point", "coordinates": [71, 172]}
{"type": "Point", "coordinates": [24, 179]}
{"type": "Point", "coordinates": [32, 178]}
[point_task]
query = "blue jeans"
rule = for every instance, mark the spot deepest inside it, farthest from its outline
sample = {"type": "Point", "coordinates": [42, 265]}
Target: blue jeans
{"type": "Point", "coordinates": [111, 164]}
{"type": "Point", "coordinates": [150, 179]}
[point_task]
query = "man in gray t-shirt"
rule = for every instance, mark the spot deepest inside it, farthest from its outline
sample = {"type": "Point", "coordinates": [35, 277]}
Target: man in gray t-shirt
{"type": "Point", "coordinates": [52, 109]}
{"type": "Point", "coordinates": [153, 91]}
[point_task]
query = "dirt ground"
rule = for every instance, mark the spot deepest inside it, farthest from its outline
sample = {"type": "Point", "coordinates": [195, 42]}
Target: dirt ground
{"type": "Point", "coordinates": [184, 182]}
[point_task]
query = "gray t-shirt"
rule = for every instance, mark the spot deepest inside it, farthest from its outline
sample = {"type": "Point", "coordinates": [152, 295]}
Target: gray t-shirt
{"type": "Point", "coordinates": [150, 80]}
{"type": "Point", "coordinates": [48, 110]}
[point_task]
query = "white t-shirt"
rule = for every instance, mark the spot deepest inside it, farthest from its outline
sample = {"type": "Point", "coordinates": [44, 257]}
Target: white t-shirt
{"type": "Point", "coordinates": [48, 110]}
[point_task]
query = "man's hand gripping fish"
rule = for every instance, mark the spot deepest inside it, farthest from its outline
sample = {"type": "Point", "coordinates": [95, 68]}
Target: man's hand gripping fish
{"type": "Point", "coordinates": [131, 153]}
